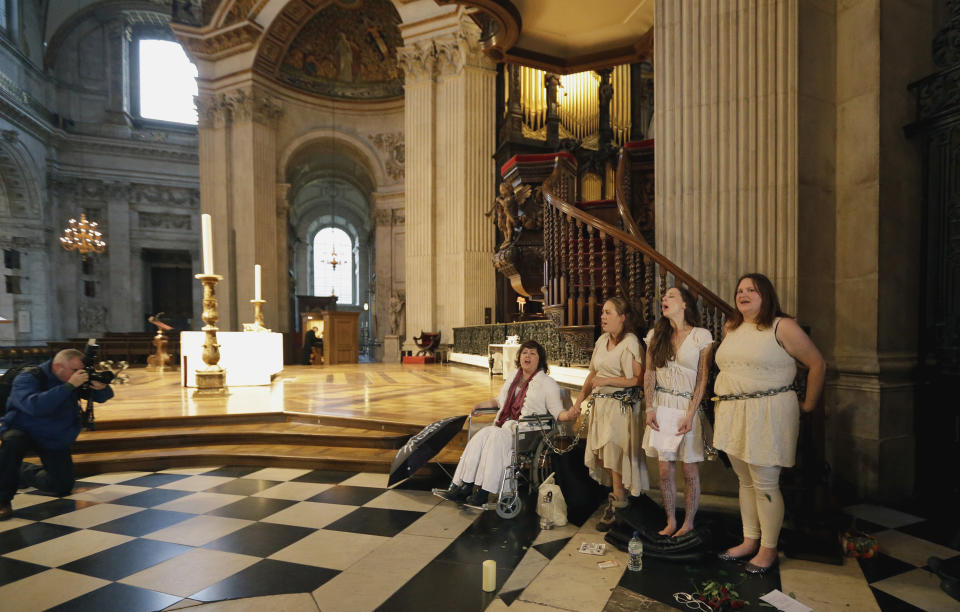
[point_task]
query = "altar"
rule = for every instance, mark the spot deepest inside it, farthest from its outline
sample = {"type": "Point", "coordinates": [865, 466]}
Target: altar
{"type": "Point", "coordinates": [250, 358]}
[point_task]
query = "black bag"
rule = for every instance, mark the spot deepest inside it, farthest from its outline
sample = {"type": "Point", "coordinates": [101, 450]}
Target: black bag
{"type": "Point", "coordinates": [582, 493]}
{"type": "Point", "coordinates": [6, 382]}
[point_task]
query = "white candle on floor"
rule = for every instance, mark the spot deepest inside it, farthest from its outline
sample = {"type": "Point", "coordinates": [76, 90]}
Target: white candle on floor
{"type": "Point", "coordinates": [489, 575]}
{"type": "Point", "coordinates": [256, 282]}
{"type": "Point", "coordinates": [207, 230]}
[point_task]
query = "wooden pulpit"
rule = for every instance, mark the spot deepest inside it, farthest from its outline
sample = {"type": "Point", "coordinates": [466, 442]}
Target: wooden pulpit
{"type": "Point", "coordinates": [341, 337]}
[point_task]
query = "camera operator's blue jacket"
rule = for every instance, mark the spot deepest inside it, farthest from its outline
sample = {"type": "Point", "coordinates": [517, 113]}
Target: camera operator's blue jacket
{"type": "Point", "coordinates": [46, 409]}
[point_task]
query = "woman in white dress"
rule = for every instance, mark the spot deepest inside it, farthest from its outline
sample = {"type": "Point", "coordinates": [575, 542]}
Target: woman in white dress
{"type": "Point", "coordinates": [530, 391]}
{"type": "Point", "coordinates": [757, 414]}
{"type": "Point", "coordinates": [678, 363]}
{"type": "Point", "coordinates": [613, 455]}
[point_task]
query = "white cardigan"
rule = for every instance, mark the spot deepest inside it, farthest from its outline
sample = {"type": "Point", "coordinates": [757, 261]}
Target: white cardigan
{"type": "Point", "coordinates": [544, 396]}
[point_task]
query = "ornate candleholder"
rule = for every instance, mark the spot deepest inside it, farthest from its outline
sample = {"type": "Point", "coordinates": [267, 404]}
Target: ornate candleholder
{"type": "Point", "coordinates": [211, 378]}
{"type": "Point", "coordinates": [258, 316]}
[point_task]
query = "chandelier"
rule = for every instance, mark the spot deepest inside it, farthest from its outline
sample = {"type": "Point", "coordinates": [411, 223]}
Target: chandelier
{"type": "Point", "coordinates": [333, 259]}
{"type": "Point", "coordinates": [83, 236]}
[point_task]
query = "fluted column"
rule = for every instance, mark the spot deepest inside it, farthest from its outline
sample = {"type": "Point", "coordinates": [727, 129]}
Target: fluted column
{"type": "Point", "coordinates": [238, 187]}
{"type": "Point", "coordinates": [726, 132]}
{"type": "Point", "coordinates": [449, 132]}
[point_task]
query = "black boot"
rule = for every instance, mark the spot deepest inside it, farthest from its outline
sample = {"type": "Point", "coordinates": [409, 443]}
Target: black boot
{"type": "Point", "coordinates": [457, 493]}
{"type": "Point", "coordinates": [477, 499]}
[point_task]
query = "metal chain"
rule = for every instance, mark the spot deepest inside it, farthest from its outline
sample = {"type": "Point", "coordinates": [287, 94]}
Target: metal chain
{"type": "Point", "coordinates": [753, 394]}
{"type": "Point", "coordinates": [627, 397]}
{"type": "Point", "coordinates": [685, 394]}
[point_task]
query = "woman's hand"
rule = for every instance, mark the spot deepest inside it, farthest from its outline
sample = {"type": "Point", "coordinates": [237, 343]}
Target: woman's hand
{"type": "Point", "coordinates": [686, 424]}
{"type": "Point", "coordinates": [574, 412]}
{"type": "Point", "coordinates": [652, 420]}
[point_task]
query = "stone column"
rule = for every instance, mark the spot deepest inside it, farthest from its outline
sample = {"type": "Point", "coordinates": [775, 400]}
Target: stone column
{"type": "Point", "coordinates": [450, 175]}
{"type": "Point", "coordinates": [282, 277]}
{"type": "Point", "coordinates": [726, 132]}
{"type": "Point", "coordinates": [121, 315]}
{"type": "Point", "coordinates": [238, 187]}
{"type": "Point", "coordinates": [118, 68]}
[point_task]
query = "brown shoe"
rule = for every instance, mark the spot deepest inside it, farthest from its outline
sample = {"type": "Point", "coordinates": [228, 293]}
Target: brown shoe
{"type": "Point", "coordinates": [609, 516]}
{"type": "Point", "coordinates": [6, 511]}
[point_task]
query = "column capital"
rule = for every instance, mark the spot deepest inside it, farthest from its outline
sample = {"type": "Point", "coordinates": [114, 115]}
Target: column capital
{"type": "Point", "coordinates": [418, 61]}
{"type": "Point", "coordinates": [460, 49]}
{"type": "Point", "coordinates": [239, 105]}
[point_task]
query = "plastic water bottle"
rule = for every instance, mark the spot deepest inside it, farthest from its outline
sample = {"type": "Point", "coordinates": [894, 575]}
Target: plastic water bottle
{"type": "Point", "coordinates": [635, 549]}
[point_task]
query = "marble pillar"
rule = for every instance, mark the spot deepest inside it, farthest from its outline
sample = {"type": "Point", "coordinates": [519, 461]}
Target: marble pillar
{"type": "Point", "coordinates": [450, 173]}
{"type": "Point", "coordinates": [726, 131]}
{"type": "Point", "coordinates": [121, 314]}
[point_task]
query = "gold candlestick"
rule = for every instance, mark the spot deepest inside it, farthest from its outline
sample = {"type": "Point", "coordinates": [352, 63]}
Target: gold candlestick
{"type": "Point", "coordinates": [211, 378]}
{"type": "Point", "coordinates": [258, 315]}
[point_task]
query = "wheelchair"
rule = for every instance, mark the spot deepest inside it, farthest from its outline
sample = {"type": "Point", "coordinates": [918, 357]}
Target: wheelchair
{"type": "Point", "coordinates": [530, 461]}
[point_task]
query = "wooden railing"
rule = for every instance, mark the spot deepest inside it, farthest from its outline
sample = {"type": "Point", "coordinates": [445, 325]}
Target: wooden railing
{"type": "Point", "coordinates": [588, 261]}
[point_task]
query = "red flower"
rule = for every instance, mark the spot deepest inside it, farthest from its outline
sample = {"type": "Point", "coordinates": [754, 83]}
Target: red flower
{"type": "Point", "coordinates": [737, 604]}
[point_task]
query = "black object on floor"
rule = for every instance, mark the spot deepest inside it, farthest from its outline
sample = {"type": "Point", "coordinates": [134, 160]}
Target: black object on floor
{"type": "Point", "coordinates": [582, 493]}
{"type": "Point", "coordinates": [949, 573]}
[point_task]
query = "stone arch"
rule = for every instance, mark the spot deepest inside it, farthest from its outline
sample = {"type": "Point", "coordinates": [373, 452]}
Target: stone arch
{"type": "Point", "coordinates": [19, 191]}
{"type": "Point", "coordinates": [359, 150]}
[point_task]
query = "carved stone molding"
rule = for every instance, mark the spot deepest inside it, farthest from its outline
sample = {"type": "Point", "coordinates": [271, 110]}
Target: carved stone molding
{"type": "Point", "coordinates": [418, 61]}
{"type": "Point", "coordinates": [399, 216]}
{"type": "Point", "coordinates": [96, 190]}
{"type": "Point", "coordinates": [149, 220]}
{"type": "Point", "coordinates": [238, 105]}
{"type": "Point", "coordinates": [392, 145]}
{"type": "Point", "coordinates": [460, 49]}
{"type": "Point", "coordinates": [224, 42]}
{"type": "Point", "coordinates": [91, 318]}
{"type": "Point", "coordinates": [946, 44]}
{"type": "Point", "coordinates": [383, 217]}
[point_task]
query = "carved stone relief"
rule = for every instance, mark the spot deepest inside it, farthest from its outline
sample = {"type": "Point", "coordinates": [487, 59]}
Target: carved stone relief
{"type": "Point", "coordinates": [392, 145]}
{"type": "Point", "coordinates": [243, 104]}
{"type": "Point", "coordinates": [150, 220]}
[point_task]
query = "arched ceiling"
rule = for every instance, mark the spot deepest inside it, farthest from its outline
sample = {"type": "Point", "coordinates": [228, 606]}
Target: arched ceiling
{"type": "Point", "coordinates": [345, 49]}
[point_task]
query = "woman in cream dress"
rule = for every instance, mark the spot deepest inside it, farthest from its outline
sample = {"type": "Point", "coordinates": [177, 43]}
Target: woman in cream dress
{"type": "Point", "coordinates": [678, 360]}
{"type": "Point", "coordinates": [758, 414]}
{"type": "Point", "coordinates": [613, 456]}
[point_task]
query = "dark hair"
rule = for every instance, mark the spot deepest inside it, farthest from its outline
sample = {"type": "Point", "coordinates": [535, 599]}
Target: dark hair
{"type": "Point", "coordinates": [661, 346]}
{"type": "Point", "coordinates": [632, 321]}
{"type": "Point", "coordinates": [769, 302]}
{"type": "Point", "coordinates": [541, 354]}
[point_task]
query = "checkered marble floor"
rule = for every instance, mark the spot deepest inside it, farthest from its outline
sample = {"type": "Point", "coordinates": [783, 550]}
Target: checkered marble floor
{"type": "Point", "coordinates": [342, 541]}
{"type": "Point", "coordinates": [898, 575]}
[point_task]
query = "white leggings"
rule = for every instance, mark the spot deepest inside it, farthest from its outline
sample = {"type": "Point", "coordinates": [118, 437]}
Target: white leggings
{"type": "Point", "coordinates": [761, 504]}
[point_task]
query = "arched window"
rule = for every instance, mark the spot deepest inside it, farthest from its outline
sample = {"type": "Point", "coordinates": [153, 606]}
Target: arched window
{"type": "Point", "coordinates": [168, 82]}
{"type": "Point", "coordinates": [330, 243]}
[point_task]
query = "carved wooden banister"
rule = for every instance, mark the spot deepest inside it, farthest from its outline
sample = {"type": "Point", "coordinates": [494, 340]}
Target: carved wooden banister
{"type": "Point", "coordinates": [622, 188]}
{"type": "Point", "coordinates": [632, 258]}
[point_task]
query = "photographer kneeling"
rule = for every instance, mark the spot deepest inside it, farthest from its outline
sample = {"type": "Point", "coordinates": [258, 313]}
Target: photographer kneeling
{"type": "Point", "coordinates": [43, 415]}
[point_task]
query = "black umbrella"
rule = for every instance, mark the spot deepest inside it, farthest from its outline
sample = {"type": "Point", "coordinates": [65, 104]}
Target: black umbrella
{"type": "Point", "coordinates": [423, 447]}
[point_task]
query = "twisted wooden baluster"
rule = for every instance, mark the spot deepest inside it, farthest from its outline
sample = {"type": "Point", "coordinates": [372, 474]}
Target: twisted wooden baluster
{"type": "Point", "coordinates": [604, 283]}
{"type": "Point", "coordinates": [592, 293]}
{"type": "Point", "coordinates": [558, 262]}
{"type": "Point", "coordinates": [581, 273]}
{"type": "Point", "coordinates": [547, 256]}
{"type": "Point", "coordinates": [568, 278]}
{"type": "Point", "coordinates": [618, 271]}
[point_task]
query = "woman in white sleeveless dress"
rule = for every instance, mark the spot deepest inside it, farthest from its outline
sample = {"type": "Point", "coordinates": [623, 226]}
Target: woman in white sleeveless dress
{"type": "Point", "coordinates": [678, 363]}
{"type": "Point", "coordinates": [613, 455]}
{"type": "Point", "coordinates": [758, 414]}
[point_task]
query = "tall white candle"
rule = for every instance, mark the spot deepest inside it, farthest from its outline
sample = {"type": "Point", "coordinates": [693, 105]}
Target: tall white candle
{"type": "Point", "coordinates": [256, 282]}
{"type": "Point", "coordinates": [206, 226]}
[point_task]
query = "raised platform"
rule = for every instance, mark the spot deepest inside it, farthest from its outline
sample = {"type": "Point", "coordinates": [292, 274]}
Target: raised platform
{"type": "Point", "coordinates": [348, 417]}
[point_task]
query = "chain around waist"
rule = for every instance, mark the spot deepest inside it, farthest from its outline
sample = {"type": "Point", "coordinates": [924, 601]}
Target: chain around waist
{"type": "Point", "coordinates": [669, 391]}
{"type": "Point", "coordinates": [752, 394]}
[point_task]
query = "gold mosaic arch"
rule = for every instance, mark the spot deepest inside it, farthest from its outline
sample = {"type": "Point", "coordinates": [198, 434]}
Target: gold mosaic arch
{"type": "Point", "coordinates": [335, 48]}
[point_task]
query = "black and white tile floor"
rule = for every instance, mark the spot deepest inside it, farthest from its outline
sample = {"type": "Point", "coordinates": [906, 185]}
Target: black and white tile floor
{"type": "Point", "coordinates": [315, 539]}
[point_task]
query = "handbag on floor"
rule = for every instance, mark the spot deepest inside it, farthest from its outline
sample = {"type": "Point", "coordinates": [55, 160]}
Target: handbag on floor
{"type": "Point", "coordinates": [551, 506]}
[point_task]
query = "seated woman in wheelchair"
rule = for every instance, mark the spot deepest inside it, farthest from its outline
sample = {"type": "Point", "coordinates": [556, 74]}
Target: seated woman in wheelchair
{"type": "Point", "coordinates": [530, 391]}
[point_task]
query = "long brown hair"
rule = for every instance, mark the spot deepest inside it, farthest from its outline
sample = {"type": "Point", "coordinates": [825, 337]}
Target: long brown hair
{"type": "Point", "coordinates": [769, 302]}
{"type": "Point", "coordinates": [631, 321]}
{"type": "Point", "coordinates": [661, 346]}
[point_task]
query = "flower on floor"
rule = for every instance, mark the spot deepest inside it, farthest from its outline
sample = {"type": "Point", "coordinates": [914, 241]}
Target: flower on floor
{"type": "Point", "coordinates": [720, 596]}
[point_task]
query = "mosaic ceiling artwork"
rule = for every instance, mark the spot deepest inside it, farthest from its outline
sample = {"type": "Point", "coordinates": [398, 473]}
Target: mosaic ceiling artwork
{"type": "Point", "coordinates": [347, 52]}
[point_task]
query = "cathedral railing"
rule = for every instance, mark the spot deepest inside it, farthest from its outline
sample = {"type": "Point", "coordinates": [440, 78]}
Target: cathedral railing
{"type": "Point", "coordinates": [588, 260]}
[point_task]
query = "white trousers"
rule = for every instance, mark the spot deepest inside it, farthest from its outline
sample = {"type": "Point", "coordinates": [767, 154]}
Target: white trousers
{"type": "Point", "coordinates": [761, 504]}
{"type": "Point", "coordinates": [487, 454]}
